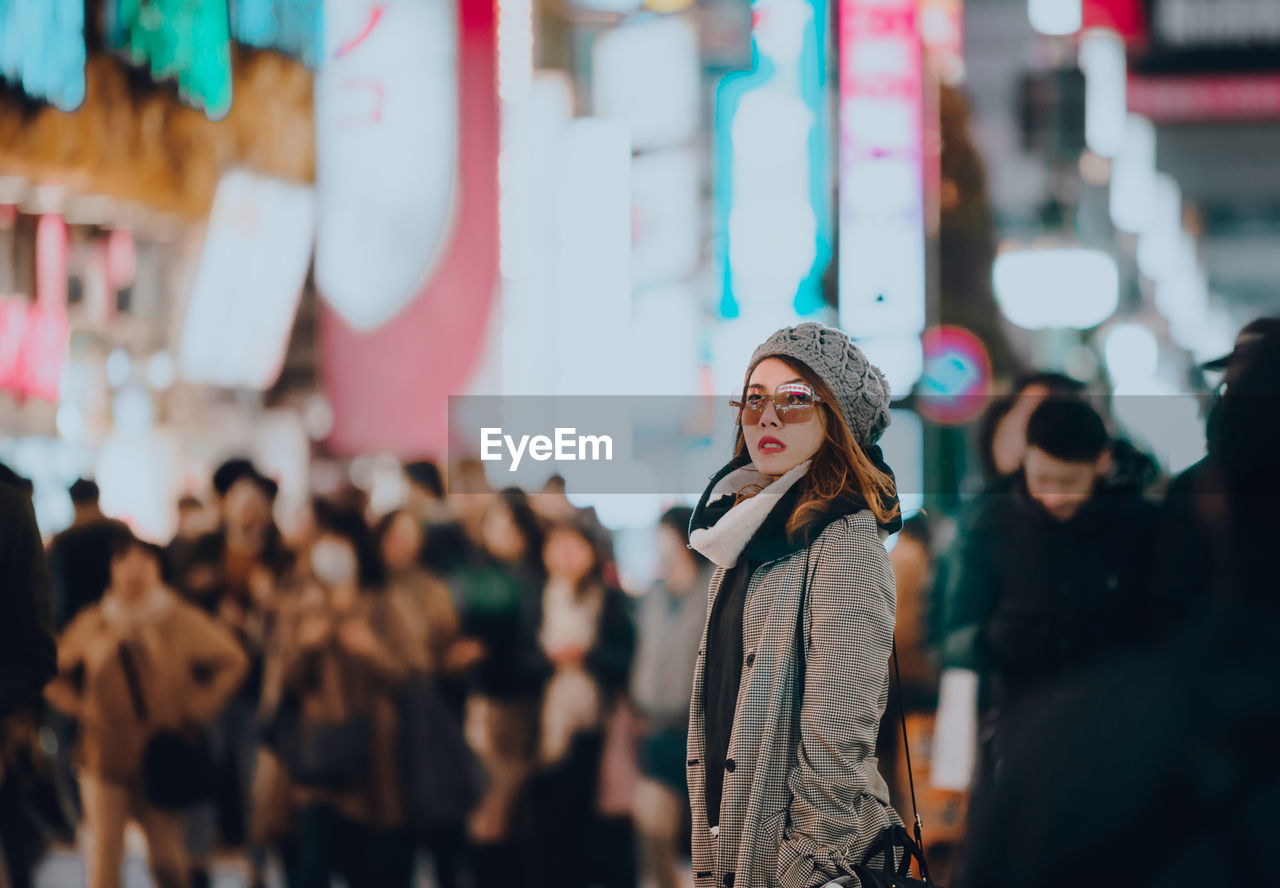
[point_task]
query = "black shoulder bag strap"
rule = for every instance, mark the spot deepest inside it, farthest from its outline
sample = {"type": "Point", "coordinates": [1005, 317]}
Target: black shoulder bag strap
{"type": "Point", "coordinates": [801, 640]}
{"type": "Point", "coordinates": [129, 665]}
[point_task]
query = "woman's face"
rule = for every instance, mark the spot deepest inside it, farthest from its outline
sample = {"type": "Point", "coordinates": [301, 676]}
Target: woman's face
{"type": "Point", "coordinates": [777, 447]}
{"type": "Point", "coordinates": [502, 537]}
{"type": "Point", "coordinates": [402, 543]}
{"type": "Point", "coordinates": [568, 555]}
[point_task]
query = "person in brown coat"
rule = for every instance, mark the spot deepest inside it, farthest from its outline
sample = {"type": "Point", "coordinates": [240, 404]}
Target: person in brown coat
{"type": "Point", "coordinates": [343, 648]}
{"type": "Point", "coordinates": [186, 665]}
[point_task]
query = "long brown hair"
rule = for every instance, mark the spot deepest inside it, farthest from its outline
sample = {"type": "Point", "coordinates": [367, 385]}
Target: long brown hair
{"type": "Point", "coordinates": [840, 466]}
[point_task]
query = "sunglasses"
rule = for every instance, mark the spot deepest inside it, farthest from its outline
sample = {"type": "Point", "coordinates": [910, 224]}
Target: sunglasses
{"type": "Point", "coordinates": [793, 402]}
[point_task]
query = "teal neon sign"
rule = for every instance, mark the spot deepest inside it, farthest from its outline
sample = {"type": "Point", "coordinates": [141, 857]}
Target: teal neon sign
{"type": "Point", "coordinates": [42, 49]}
{"type": "Point", "coordinates": [774, 227]}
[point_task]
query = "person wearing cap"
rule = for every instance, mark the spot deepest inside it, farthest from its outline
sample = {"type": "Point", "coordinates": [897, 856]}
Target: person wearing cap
{"type": "Point", "coordinates": [792, 677]}
{"type": "Point", "coordinates": [234, 573]}
{"type": "Point", "coordinates": [1193, 509]}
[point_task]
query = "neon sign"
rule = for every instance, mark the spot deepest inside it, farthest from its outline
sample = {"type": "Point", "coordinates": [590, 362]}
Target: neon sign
{"type": "Point", "coordinates": [187, 40]}
{"type": "Point", "coordinates": [773, 223]}
{"type": "Point", "coordinates": [42, 49]}
{"type": "Point", "coordinates": [386, 153]}
{"type": "Point", "coordinates": [882, 258]}
{"type": "Point", "coordinates": [291, 26]}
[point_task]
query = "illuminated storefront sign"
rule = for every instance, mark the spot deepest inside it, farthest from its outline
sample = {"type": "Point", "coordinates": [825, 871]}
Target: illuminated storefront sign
{"type": "Point", "coordinates": [658, 103]}
{"type": "Point", "coordinates": [389, 387]}
{"type": "Point", "coordinates": [189, 42]}
{"type": "Point", "coordinates": [882, 253]}
{"type": "Point", "coordinates": [957, 376]}
{"type": "Point", "coordinates": [33, 347]}
{"type": "Point", "coordinates": [249, 280]}
{"type": "Point", "coordinates": [772, 193]}
{"type": "Point", "coordinates": [42, 49]}
{"type": "Point", "coordinates": [386, 153]}
{"type": "Point", "coordinates": [942, 31]}
{"type": "Point", "coordinates": [291, 26]}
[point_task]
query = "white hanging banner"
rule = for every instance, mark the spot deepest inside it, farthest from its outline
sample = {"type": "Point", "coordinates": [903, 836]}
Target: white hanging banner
{"type": "Point", "coordinates": [248, 282]}
{"type": "Point", "coordinates": [955, 733]}
{"type": "Point", "coordinates": [386, 103]}
{"type": "Point", "coordinates": [882, 255]}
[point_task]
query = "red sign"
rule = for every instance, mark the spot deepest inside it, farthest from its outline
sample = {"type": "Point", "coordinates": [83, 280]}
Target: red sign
{"type": "Point", "coordinates": [1208, 98]}
{"type": "Point", "coordinates": [33, 347]}
{"type": "Point", "coordinates": [1127, 18]}
{"type": "Point", "coordinates": [957, 376]}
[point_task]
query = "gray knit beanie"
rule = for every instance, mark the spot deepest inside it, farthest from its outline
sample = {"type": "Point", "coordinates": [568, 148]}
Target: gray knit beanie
{"type": "Point", "coordinates": [860, 387]}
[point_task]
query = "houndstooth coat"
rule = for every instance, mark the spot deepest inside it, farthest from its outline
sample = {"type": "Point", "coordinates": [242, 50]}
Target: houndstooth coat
{"type": "Point", "coordinates": [801, 802]}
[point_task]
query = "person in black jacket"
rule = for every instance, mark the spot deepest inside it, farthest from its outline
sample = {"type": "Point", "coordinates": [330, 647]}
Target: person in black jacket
{"type": "Point", "coordinates": [1181, 788]}
{"type": "Point", "coordinates": [80, 556]}
{"type": "Point", "coordinates": [1052, 574]}
{"type": "Point", "coordinates": [28, 660]}
{"type": "Point", "coordinates": [588, 635]}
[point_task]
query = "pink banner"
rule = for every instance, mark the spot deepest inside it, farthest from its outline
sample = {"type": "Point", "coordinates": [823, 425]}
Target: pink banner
{"type": "Point", "coordinates": [1208, 98]}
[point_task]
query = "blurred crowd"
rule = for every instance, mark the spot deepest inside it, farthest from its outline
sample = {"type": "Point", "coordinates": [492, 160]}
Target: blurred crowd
{"type": "Point", "coordinates": [464, 676]}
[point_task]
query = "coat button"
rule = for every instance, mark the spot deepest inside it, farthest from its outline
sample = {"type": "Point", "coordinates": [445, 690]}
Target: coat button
{"type": "Point", "coordinates": [751, 659]}
{"type": "Point", "coordinates": [728, 880]}
{"type": "Point", "coordinates": [715, 832]}
{"type": "Point", "coordinates": [729, 765]}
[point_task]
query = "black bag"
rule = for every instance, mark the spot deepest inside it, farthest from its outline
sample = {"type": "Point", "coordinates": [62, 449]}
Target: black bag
{"type": "Point", "coordinates": [177, 767]}
{"type": "Point", "coordinates": [889, 875]}
{"type": "Point", "coordinates": [328, 755]}
{"type": "Point", "coordinates": [442, 778]}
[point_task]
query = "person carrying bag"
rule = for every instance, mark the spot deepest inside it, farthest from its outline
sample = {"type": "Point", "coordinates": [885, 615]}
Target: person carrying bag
{"type": "Point", "coordinates": [142, 672]}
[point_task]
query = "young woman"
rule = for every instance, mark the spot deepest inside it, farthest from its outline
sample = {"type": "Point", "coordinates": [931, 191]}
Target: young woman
{"type": "Point", "coordinates": [572, 837]}
{"type": "Point", "coordinates": [783, 778]}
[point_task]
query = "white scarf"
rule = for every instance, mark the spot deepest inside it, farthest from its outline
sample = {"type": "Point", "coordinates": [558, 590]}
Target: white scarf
{"type": "Point", "coordinates": [724, 541]}
{"type": "Point", "coordinates": [153, 602]}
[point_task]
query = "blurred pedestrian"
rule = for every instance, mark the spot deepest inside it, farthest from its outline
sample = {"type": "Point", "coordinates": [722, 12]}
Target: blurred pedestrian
{"type": "Point", "coordinates": [469, 497]}
{"type": "Point", "coordinates": [1007, 422]}
{"type": "Point", "coordinates": [343, 647]}
{"type": "Point", "coordinates": [445, 544]}
{"type": "Point", "coordinates": [1052, 576]}
{"type": "Point", "coordinates": [672, 616]}
{"type": "Point", "coordinates": [501, 591]}
{"type": "Point", "coordinates": [139, 662]}
{"type": "Point", "coordinates": [27, 662]}
{"type": "Point", "coordinates": [1152, 763]}
{"type": "Point", "coordinates": [400, 538]}
{"type": "Point", "coordinates": [788, 694]}
{"type": "Point", "coordinates": [80, 556]}
{"type": "Point", "coordinates": [1194, 506]}
{"type": "Point", "coordinates": [587, 634]}
{"type": "Point", "coordinates": [234, 572]}
{"type": "Point", "coordinates": [195, 520]}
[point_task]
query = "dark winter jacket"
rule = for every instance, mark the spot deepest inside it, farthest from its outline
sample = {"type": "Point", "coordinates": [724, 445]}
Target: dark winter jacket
{"type": "Point", "coordinates": [80, 567]}
{"type": "Point", "coordinates": [1030, 597]}
{"type": "Point", "coordinates": [28, 658]}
